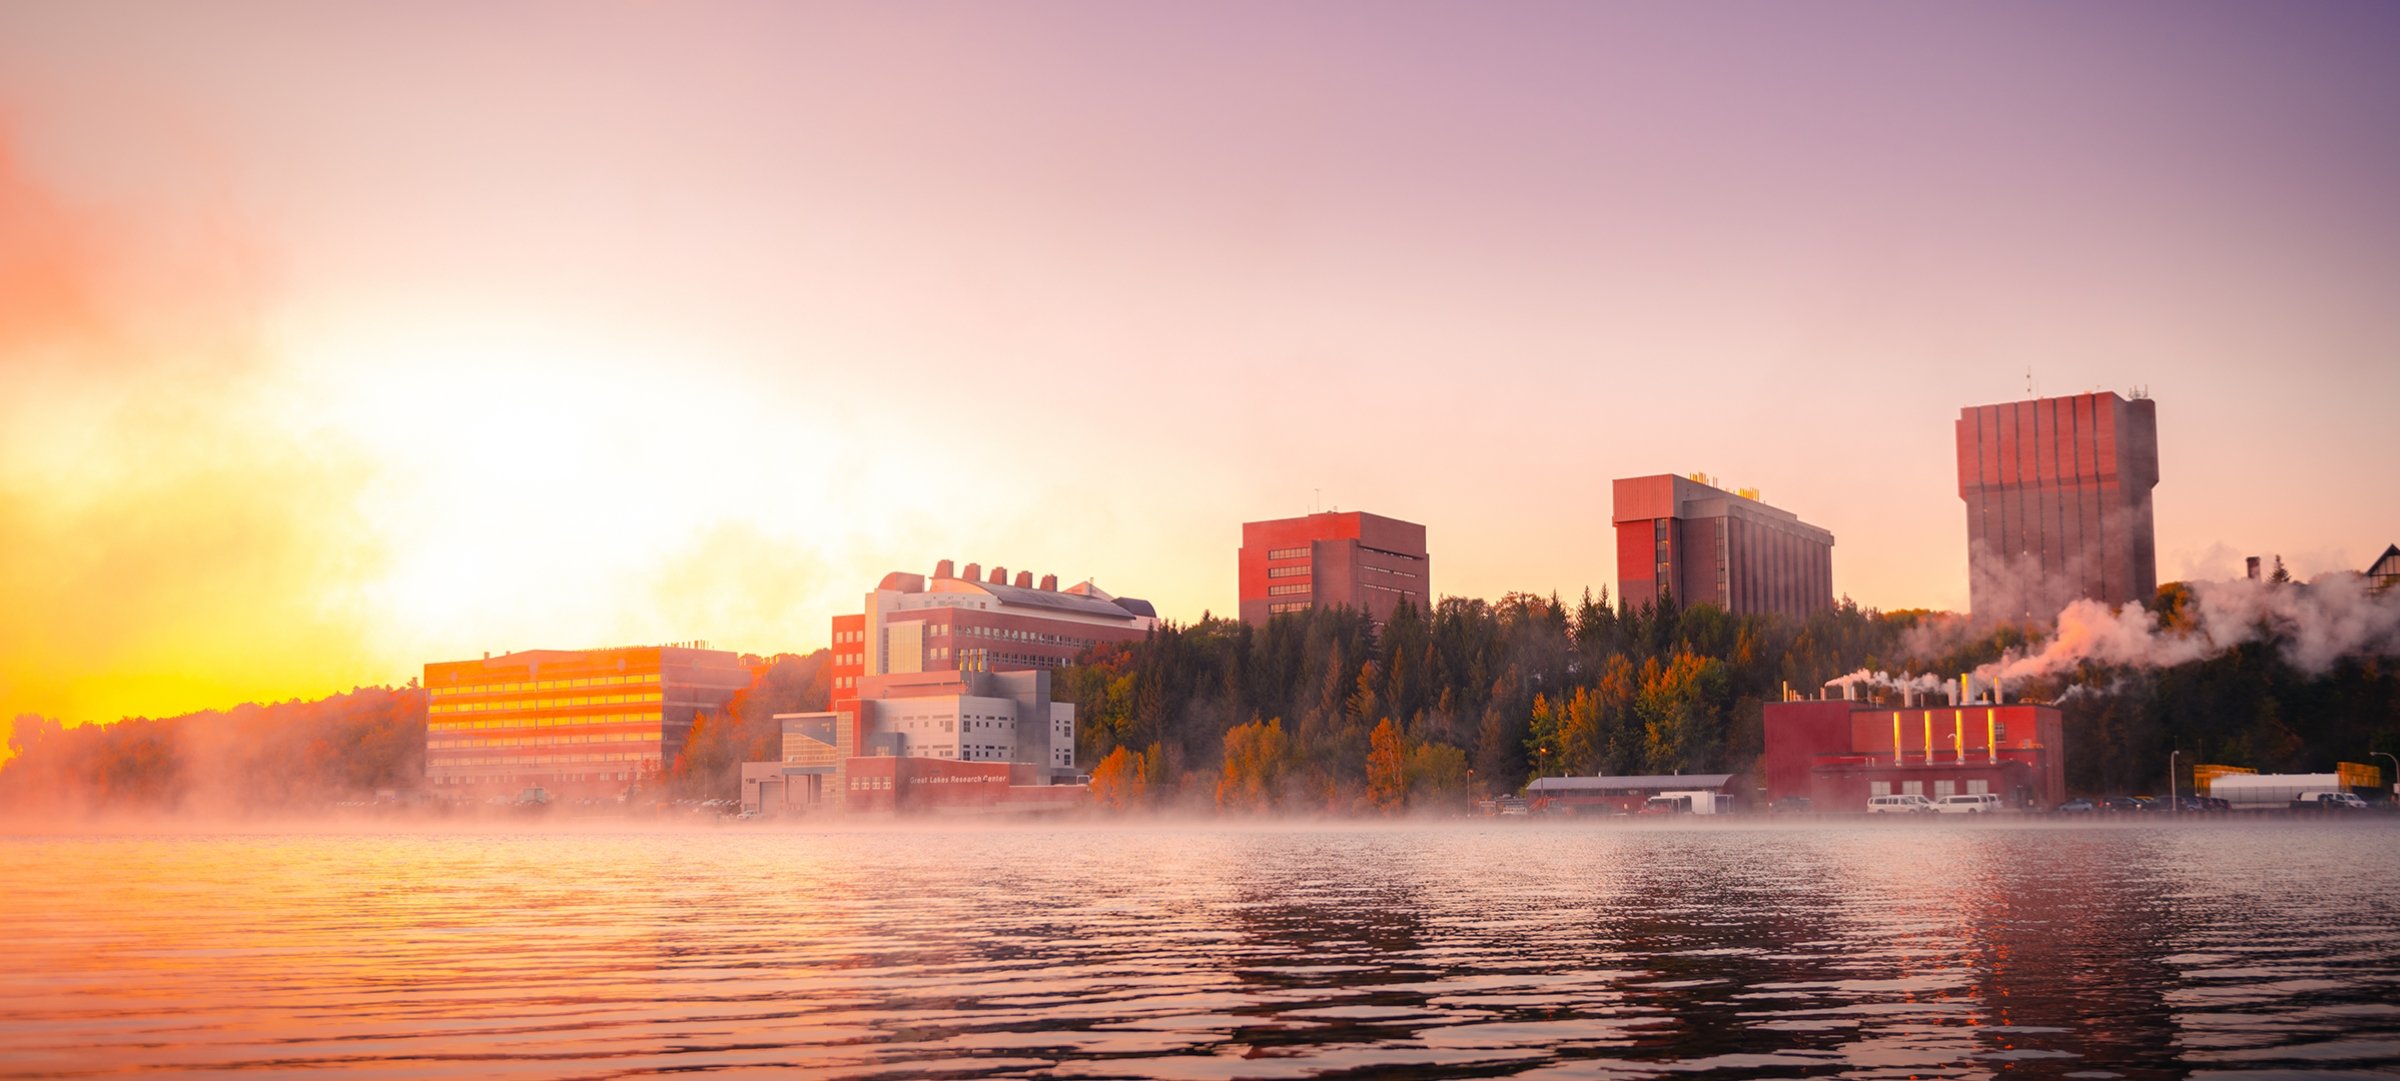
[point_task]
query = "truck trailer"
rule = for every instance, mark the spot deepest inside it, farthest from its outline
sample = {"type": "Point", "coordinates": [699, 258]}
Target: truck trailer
{"type": "Point", "coordinates": [2270, 791]}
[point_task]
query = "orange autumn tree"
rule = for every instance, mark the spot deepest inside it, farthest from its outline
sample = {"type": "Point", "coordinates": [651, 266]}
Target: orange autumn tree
{"type": "Point", "coordinates": [1255, 754]}
{"type": "Point", "coordinates": [1117, 782]}
{"type": "Point", "coordinates": [1387, 768]}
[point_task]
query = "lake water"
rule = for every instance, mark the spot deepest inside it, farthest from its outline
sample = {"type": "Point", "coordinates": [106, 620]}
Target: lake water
{"type": "Point", "coordinates": [1214, 950]}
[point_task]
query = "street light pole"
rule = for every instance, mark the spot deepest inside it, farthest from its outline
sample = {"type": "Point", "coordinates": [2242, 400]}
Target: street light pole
{"type": "Point", "coordinates": [2174, 799]}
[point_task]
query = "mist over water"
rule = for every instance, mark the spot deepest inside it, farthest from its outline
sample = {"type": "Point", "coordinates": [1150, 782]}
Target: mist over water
{"type": "Point", "coordinates": [1215, 950]}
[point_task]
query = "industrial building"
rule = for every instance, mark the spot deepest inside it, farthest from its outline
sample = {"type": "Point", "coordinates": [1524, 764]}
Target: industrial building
{"type": "Point", "coordinates": [1350, 558]}
{"type": "Point", "coordinates": [2058, 503]}
{"type": "Point", "coordinates": [1706, 545]}
{"type": "Point", "coordinates": [1619, 795]}
{"type": "Point", "coordinates": [1839, 754]}
{"type": "Point", "coordinates": [925, 740]}
{"type": "Point", "coordinates": [590, 721]}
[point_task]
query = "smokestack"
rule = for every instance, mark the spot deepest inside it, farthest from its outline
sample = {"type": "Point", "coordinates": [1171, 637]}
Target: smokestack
{"type": "Point", "coordinates": [999, 575]}
{"type": "Point", "coordinates": [1849, 692]}
{"type": "Point", "coordinates": [1024, 580]}
{"type": "Point", "coordinates": [945, 569]}
{"type": "Point", "coordinates": [974, 572]}
{"type": "Point", "coordinates": [2253, 562]}
{"type": "Point", "coordinates": [1049, 583]}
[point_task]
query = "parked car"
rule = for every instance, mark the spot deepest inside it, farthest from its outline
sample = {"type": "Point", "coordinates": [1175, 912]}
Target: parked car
{"type": "Point", "coordinates": [1910, 803]}
{"type": "Point", "coordinates": [2076, 806]}
{"type": "Point", "coordinates": [2328, 801]}
{"type": "Point", "coordinates": [2128, 803]}
{"type": "Point", "coordinates": [1977, 803]}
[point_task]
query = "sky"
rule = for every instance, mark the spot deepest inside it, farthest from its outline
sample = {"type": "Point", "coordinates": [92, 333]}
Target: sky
{"type": "Point", "coordinates": [340, 338]}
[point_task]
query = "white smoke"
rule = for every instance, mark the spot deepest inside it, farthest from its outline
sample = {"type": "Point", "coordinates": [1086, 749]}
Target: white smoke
{"type": "Point", "coordinates": [1904, 683]}
{"type": "Point", "coordinates": [2317, 624]}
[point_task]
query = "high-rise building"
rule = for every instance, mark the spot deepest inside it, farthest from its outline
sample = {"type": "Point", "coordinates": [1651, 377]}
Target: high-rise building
{"type": "Point", "coordinates": [1365, 561]}
{"type": "Point", "coordinates": [1710, 546]}
{"type": "Point", "coordinates": [591, 720]}
{"type": "Point", "coordinates": [2058, 503]}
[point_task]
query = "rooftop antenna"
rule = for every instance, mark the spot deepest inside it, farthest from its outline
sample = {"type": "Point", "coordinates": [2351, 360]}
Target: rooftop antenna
{"type": "Point", "coordinates": [2029, 379]}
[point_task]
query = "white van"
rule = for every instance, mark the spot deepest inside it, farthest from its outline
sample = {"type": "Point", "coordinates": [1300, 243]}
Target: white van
{"type": "Point", "coordinates": [1979, 803]}
{"type": "Point", "coordinates": [1892, 805]}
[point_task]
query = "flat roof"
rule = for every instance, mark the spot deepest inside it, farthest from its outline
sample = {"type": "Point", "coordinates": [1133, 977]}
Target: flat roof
{"type": "Point", "coordinates": [1630, 782]}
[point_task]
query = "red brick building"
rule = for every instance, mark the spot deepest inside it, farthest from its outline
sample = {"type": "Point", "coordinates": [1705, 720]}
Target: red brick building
{"type": "Point", "coordinates": [1710, 546]}
{"type": "Point", "coordinates": [1839, 754]}
{"type": "Point", "coordinates": [2058, 503]}
{"type": "Point", "coordinates": [1363, 561]}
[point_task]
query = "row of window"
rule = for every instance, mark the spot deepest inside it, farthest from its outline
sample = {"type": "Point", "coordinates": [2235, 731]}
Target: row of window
{"type": "Point", "coordinates": [1389, 589]}
{"type": "Point", "coordinates": [539, 760]}
{"type": "Point", "coordinates": [849, 658]}
{"type": "Point", "coordinates": [1293, 590]}
{"type": "Point", "coordinates": [511, 779]}
{"type": "Point", "coordinates": [544, 703]}
{"type": "Point", "coordinates": [545, 741]}
{"type": "Point", "coordinates": [1388, 570]}
{"type": "Point", "coordinates": [840, 637]}
{"type": "Point", "coordinates": [1294, 571]}
{"type": "Point", "coordinates": [1288, 553]}
{"type": "Point", "coordinates": [579, 721]}
{"type": "Point", "coordinates": [546, 684]}
{"type": "Point", "coordinates": [1281, 607]}
{"type": "Point", "coordinates": [1917, 788]}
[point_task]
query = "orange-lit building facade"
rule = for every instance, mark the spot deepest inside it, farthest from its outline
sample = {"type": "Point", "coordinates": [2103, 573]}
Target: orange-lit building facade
{"type": "Point", "coordinates": [1840, 754]}
{"type": "Point", "coordinates": [1710, 546]}
{"type": "Point", "coordinates": [1363, 561]}
{"type": "Point", "coordinates": [2058, 503]}
{"type": "Point", "coordinates": [589, 721]}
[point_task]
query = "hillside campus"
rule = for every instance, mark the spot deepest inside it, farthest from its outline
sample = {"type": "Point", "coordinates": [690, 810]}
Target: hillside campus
{"type": "Point", "coordinates": [941, 695]}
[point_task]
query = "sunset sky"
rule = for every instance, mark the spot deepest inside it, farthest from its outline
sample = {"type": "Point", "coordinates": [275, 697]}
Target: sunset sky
{"type": "Point", "coordinates": [338, 338]}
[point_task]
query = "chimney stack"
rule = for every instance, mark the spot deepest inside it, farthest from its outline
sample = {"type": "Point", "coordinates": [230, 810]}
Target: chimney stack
{"type": "Point", "coordinates": [2253, 562]}
{"type": "Point", "coordinates": [1049, 583]}
{"type": "Point", "coordinates": [945, 569]}
{"type": "Point", "coordinates": [974, 572]}
{"type": "Point", "coordinates": [1024, 580]}
{"type": "Point", "coordinates": [999, 575]}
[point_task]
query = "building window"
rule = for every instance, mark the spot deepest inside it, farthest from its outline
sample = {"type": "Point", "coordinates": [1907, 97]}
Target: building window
{"type": "Point", "coordinates": [1287, 553]}
{"type": "Point", "coordinates": [1944, 788]}
{"type": "Point", "coordinates": [1291, 590]}
{"type": "Point", "coordinates": [1879, 788]}
{"type": "Point", "coordinates": [1912, 788]}
{"type": "Point", "coordinates": [1979, 788]}
{"type": "Point", "coordinates": [1287, 572]}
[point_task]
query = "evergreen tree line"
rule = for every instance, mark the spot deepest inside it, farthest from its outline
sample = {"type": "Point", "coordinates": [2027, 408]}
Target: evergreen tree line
{"type": "Point", "coordinates": [1316, 710]}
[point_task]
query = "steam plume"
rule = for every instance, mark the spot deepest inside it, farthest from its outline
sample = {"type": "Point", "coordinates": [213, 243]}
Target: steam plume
{"type": "Point", "coordinates": [2315, 626]}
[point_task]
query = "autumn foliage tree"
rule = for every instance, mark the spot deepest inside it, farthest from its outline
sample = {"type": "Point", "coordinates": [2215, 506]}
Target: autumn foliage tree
{"type": "Point", "coordinates": [709, 765]}
{"type": "Point", "coordinates": [1387, 769]}
{"type": "Point", "coordinates": [1118, 781]}
{"type": "Point", "coordinates": [1255, 755]}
